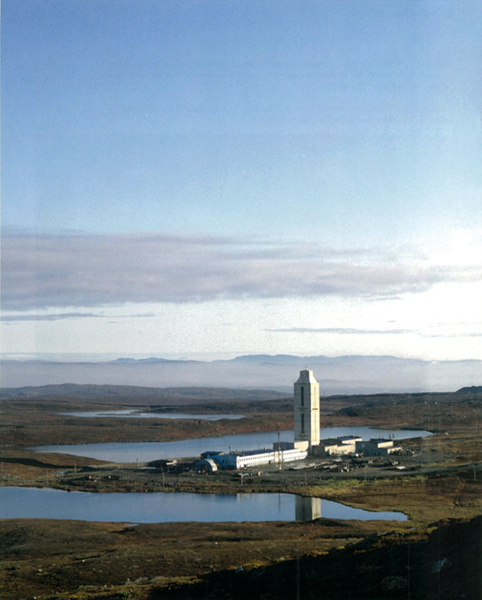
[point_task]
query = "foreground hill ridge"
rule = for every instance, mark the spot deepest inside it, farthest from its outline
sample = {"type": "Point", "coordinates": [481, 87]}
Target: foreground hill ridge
{"type": "Point", "coordinates": [379, 567]}
{"type": "Point", "coordinates": [94, 391]}
{"type": "Point", "coordinates": [198, 393]}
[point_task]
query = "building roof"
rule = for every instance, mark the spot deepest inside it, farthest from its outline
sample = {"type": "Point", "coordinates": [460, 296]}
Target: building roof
{"type": "Point", "coordinates": [306, 376]}
{"type": "Point", "coordinates": [331, 442]}
{"type": "Point", "coordinates": [250, 452]}
{"type": "Point", "coordinates": [207, 462]}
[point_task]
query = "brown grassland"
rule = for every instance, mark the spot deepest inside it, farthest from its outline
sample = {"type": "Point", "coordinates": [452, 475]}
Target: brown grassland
{"type": "Point", "coordinates": [326, 559]}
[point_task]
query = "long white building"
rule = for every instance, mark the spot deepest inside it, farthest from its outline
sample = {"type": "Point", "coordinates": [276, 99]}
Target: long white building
{"type": "Point", "coordinates": [253, 458]}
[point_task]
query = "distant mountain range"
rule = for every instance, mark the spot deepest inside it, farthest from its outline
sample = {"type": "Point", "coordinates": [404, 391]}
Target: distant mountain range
{"type": "Point", "coordinates": [337, 375]}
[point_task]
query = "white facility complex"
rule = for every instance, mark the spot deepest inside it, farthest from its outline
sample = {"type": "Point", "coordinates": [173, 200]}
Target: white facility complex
{"type": "Point", "coordinates": [306, 438]}
{"type": "Point", "coordinates": [307, 434]}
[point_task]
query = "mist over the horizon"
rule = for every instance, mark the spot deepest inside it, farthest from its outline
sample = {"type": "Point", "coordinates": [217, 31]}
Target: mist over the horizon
{"type": "Point", "coordinates": [339, 375]}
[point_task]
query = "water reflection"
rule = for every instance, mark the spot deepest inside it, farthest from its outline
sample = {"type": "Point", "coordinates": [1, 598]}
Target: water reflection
{"type": "Point", "coordinates": [307, 509]}
{"type": "Point", "coordinates": [30, 503]}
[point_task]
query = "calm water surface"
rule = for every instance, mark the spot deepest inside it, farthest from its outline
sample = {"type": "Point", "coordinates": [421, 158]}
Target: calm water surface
{"type": "Point", "coordinates": [132, 414]}
{"type": "Point", "coordinates": [34, 503]}
{"type": "Point", "coordinates": [147, 451]}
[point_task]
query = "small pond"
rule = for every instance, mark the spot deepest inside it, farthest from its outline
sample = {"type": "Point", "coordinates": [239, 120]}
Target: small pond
{"type": "Point", "coordinates": [133, 414]}
{"type": "Point", "coordinates": [148, 451]}
{"type": "Point", "coordinates": [44, 503]}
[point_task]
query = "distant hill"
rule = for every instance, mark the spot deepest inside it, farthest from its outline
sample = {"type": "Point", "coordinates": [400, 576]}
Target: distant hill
{"type": "Point", "coordinates": [354, 374]}
{"type": "Point", "coordinates": [474, 389]}
{"type": "Point", "coordinates": [138, 395]}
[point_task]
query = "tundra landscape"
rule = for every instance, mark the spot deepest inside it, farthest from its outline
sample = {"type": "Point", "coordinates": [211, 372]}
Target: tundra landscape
{"type": "Point", "coordinates": [435, 553]}
{"type": "Point", "coordinates": [201, 200]}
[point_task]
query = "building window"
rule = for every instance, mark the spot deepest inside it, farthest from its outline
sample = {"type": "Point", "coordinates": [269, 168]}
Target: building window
{"type": "Point", "coordinates": [302, 423]}
{"type": "Point", "coordinates": [302, 392]}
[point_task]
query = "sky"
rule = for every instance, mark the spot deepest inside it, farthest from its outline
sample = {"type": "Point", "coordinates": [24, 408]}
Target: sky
{"type": "Point", "coordinates": [205, 179]}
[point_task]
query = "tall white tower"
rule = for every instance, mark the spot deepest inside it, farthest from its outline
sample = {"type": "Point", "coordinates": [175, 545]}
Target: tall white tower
{"type": "Point", "coordinates": [307, 409]}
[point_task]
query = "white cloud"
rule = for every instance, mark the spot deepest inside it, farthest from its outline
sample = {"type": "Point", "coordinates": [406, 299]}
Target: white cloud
{"type": "Point", "coordinates": [353, 331]}
{"type": "Point", "coordinates": [48, 317]}
{"type": "Point", "coordinates": [42, 271]}
{"type": "Point", "coordinates": [62, 316]}
{"type": "Point", "coordinates": [344, 330]}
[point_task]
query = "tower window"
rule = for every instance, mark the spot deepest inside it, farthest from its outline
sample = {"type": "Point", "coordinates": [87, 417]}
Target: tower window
{"type": "Point", "coordinates": [302, 423]}
{"type": "Point", "coordinates": [302, 392]}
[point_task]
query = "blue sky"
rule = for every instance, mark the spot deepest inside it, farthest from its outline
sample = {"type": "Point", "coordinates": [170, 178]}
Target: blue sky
{"type": "Point", "coordinates": [211, 178]}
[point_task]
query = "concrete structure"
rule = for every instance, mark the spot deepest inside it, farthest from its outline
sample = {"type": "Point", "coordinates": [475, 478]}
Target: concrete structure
{"type": "Point", "coordinates": [377, 447]}
{"type": "Point", "coordinates": [291, 446]}
{"type": "Point", "coordinates": [307, 409]}
{"type": "Point", "coordinates": [339, 446]}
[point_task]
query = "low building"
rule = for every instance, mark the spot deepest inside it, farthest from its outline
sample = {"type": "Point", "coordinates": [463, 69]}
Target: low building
{"type": "Point", "coordinates": [206, 465]}
{"type": "Point", "coordinates": [243, 460]}
{"type": "Point", "coordinates": [377, 447]}
{"type": "Point", "coordinates": [340, 446]}
{"type": "Point", "coordinates": [287, 452]}
{"type": "Point", "coordinates": [298, 445]}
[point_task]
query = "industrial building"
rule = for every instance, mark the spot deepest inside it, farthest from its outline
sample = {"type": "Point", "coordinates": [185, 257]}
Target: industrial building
{"type": "Point", "coordinates": [377, 447]}
{"type": "Point", "coordinates": [306, 433]}
{"type": "Point", "coordinates": [251, 458]}
{"type": "Point", "coordinates": [306, 438]}
{"type": "Point", "coordinates": [339, 446]}
{"type": "Point", "coordinates": [206, 465]}
{"type": "Point", "coordinates": [307, 409]}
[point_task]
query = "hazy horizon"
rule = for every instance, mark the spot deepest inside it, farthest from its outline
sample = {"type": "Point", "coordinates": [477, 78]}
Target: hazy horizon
{"type": "Point", "coordinates": [200, 357]}
{"type": "Point", "coordinates": [344, 374]}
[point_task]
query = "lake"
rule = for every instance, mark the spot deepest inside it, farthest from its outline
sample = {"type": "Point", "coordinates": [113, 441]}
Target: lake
{"type": "Point", "coordinates": [132, 414]}
{"type": "Point", "coordinates": [148, 451]}
{"type": "Point", "coordinates": [44, 503]}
